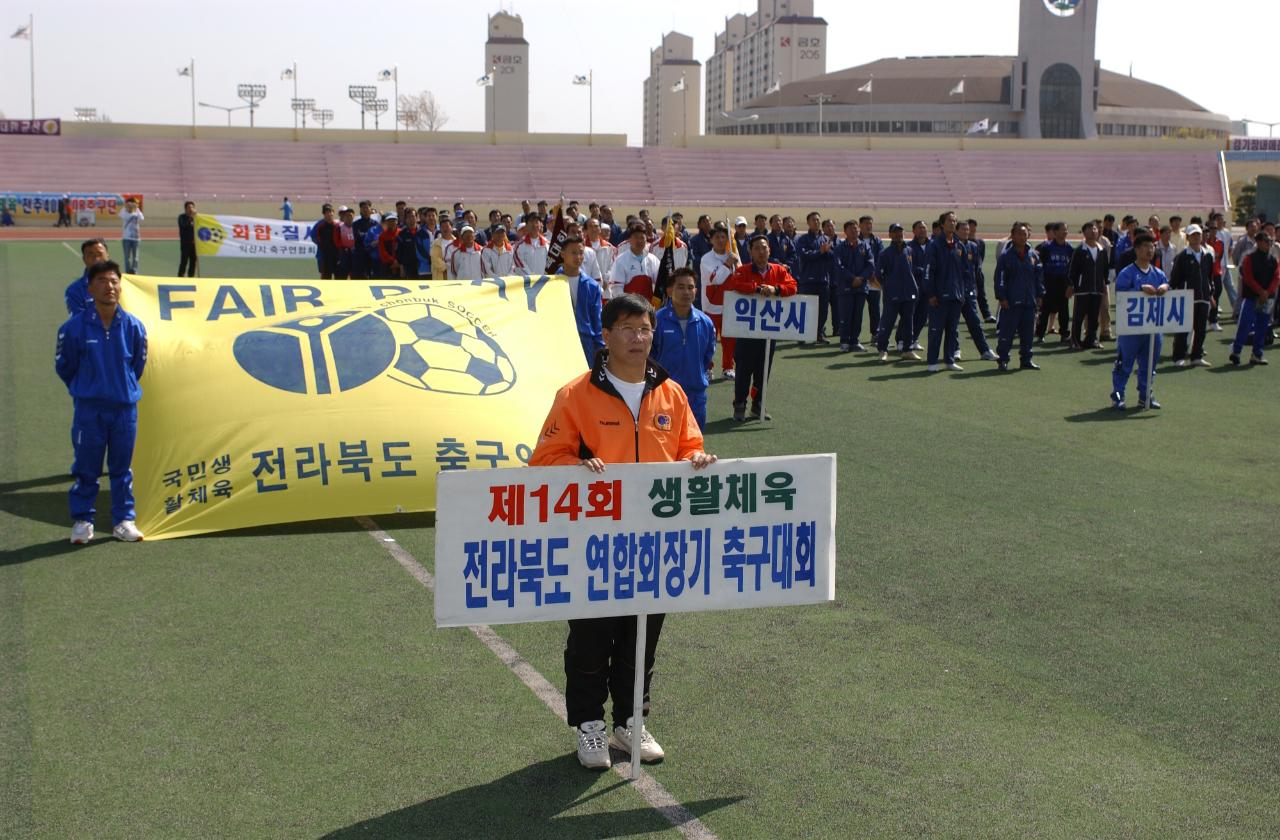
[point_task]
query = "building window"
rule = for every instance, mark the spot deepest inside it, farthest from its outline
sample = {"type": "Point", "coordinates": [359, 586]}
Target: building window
{"type": "Point", "coordinates": [913, 127]}
{"type": "Point", "coordinates": [1060, 103]}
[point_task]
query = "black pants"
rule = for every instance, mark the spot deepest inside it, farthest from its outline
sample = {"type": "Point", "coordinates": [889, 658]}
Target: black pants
{"type": "Point", "coordinates": [599, 662]}
{"type": "Point", "coordinates": [823, 291]}
{"type": "Point", "coordinates": [983, 306]}
{"type": "Point", "coordinates": [748, 359]}
{"type": "Point", "coordinates": [187, 260]}
{"type": "Point", "coordinates": [1199, 319]}
{"type": "Point", "coordinates": [1086, 308]}
{"type": "Point", "coordinates": [1055, 300]}
{"type": "Point", "coordinates": [1218, 289]}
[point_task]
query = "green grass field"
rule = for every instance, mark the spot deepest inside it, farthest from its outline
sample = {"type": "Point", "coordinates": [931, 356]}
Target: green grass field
{"type": "Point", "coordinates": [1052, 620]}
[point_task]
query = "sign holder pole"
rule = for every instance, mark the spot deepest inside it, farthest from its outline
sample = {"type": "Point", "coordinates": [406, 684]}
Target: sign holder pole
{"type": "Point", "coordinates": [1151, 370]}
{"type": "Point", "coordinates": [637, 695]}
{"type": "Point", "coordinates": [764, 379]}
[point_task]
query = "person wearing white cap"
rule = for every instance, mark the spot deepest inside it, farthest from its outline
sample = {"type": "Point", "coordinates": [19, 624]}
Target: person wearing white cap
{"type": "Point", "coordinates": [596, 238]}
{"type": "Point", "coordinates": [498, 258]}
{"type": "Point", "coordinates": [1193, 269]}
{"type": "Point", "coordinates": [464, 256]}
{"type": "Point", "coordinates": [740, 239]}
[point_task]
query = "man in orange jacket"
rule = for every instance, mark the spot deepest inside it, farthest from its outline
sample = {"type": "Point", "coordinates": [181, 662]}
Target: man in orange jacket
{"type": "Point", "coordinates": [625, 409]}
{"type": "Point", "coordinates": [767, 279]}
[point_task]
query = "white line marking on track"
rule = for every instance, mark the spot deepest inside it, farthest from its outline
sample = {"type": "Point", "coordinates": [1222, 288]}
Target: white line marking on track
{"type": "Point", "coordinates": [69, 248]}
{"type": "Point", "coordinates": [648, 787]}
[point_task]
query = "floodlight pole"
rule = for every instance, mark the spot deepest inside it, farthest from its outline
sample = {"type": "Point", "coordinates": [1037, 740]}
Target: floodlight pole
{"type": "Point", "coordinates": [253, 94]}
{"type": "Point", "coordinates": [821, 99]}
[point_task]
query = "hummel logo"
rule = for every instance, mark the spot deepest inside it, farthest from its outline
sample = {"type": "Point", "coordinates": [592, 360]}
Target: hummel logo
{"type": "Point", "coordinates": [552, 430]}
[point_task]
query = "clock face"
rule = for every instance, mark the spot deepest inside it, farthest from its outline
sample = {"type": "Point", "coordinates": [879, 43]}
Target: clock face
{"type": "Point", "coordinates": [1063, 8]}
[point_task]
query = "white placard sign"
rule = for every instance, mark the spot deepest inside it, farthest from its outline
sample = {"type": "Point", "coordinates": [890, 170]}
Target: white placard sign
{"type": "Point", "coordinates": [554, 543]}
{"type": "Point", "coordinates": [1143, 314]}
{"type": "Point", "coordinates": [791, 318]}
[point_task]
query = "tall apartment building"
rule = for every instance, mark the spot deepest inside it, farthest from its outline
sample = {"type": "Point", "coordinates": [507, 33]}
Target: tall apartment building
{"type": "Point", "coordinates": [506, 56]}
{"type": "Point", "coordinates": [782, 42]}
{"type": "Point", "coordinates": [671, 108]}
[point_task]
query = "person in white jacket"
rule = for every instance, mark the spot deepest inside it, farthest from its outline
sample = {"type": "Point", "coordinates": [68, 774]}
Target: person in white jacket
{"type": "Point", "coordinates": [634, 269]}
{"type": "Point", "coordinates": [498, 258]}
{"type": "Point", "coordinates": [464, 256]}
{"type": "Point", "coordinates": [531, 250]}
{"type": "Point", "coordinates": [597, 242]}
{"type": "Point", "coordinates": [715, 267]}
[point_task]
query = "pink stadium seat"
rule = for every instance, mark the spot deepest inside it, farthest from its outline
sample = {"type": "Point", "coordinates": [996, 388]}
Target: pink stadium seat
{"type": "Point", "coordinates": [346, 172]}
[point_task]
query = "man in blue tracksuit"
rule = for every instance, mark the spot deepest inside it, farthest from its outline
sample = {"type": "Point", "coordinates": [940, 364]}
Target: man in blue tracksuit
{"type": "Point", "coordinates": [101, 354]}
{"type": "Point", "coordinates": [684, 342]}
{"type": "Point", "coordinates": [872, 247]}
{"type": "Point", "coordinates": [815, 251]}
{"type": "Point", "coordinates": [969, 301]}
{"type": "Point", "coordinates": [896, 275]}
{"type": "Point", "coordinates": [850, 290]}
{"type": "Point", "coordinates": [945, 258]}
{"type": "Point", "coordinates": [364, 259]}
{"type": "Point", "coordinates": [1055, 257]}
{"type": "Point", "coordinates": [1143, 277]}
{"type": "Point", "coordinates": [92, 251]}
{"type": "Point", "coordinates": [980, 246]}
{"type": "Point", "coordinates": [1019, 289]}
{"type": "Point", "coordinates": [584, 295]}
{"type": "Point", "coordinates": [782, 247]}
{"type": "Point", "coordinates": [919, 242]}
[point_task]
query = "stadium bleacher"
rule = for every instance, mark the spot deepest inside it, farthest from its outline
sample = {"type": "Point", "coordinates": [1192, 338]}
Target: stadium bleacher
{"type": "Point", "coordinates": [264, 171]}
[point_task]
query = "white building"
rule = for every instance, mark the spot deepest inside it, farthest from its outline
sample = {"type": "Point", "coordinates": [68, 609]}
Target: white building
{"type": "Point", "coordinates": [781, 43]}
{"type": "Point", "coordinates": [672, 92]}
{"type": "Point", "coordinates": [506, 56]}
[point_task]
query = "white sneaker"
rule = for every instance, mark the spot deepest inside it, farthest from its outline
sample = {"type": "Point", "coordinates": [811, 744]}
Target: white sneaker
{"type": "Point", "coordinates": [884, 357]}
{"type": "Point", "coordinates": [593, 746]}
{"type": "Point", "coordinates": [1215, 327]}
{"type": "Point", "coordinates": [957, 356]}
{"type": "Point", "coordinates": [990, 356]}
{"type": "Point", "coordinates": [650, 750]}
{"type": "Point", "coordinates": [81, 532]}
{"type": "Point", "coordinates": [934, 368]}
{"type": "Point", "coordinates": [127, 531]}
{"type": "Point", "coordinates": [915, 345]}
{"type": "Point", "coordinates": [730, 374]}
{"type": "Point", "coordinates": [954, 366]}
{"type": "Point", "coordinates": [1180, 363]}
{"type": "Point", "coordinates": [1201, 363]}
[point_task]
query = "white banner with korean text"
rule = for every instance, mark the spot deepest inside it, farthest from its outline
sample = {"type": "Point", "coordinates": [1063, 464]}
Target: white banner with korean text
{"type": "Point", "coordinates": [792, 318]}
{"type": "Point", "coordinates": [554, 543]}
{"type": "Point", "coordinates": [1142, 314]}
{"type": "Point", "coordinates": [248, 236]}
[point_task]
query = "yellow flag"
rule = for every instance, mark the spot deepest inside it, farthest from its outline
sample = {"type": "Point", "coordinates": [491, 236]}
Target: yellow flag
{"type": "Point", "coordinates": [268, 401]}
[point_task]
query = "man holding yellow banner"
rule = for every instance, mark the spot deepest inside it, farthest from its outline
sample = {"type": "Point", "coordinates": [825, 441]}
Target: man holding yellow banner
{"type": "Point", "coordinates": [274, 401]}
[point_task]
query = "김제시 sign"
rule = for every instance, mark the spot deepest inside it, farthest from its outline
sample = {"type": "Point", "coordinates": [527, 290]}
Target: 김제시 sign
{"type": "Point", "coordinates": [552, 543]}
{"type": "Point", "coordinates": [268, 401]}
{"type": "Point", "coordinates": [246, 236]}
{"type": "Point", "coordinates": [792, 318]}
{"type": "Point", "coordinates": [1142, 314]}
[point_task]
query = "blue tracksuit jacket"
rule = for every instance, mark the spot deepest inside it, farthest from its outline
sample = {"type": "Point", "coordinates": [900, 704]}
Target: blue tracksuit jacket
{"type": "Point", "coordinates": [815, 266]}
{"type": "Point", "coordinates": [102, 365]}
{"type": "Point", "coordinates": [919, 262]}
{"type": "Point", "coordinates": [896, 273]}
{"type": "Point", "coordinates": [686, 354]}
{"type": "Point", "coordinates": [944, 269]}
{"type": "Point", "coordinates": [1055, 258]}
{"type": "Point", "coordinates": [866, 257]}
{"type": "Point", "coordinates": [782, 249]}
{"type": "Point", "coordinates": [1019, 278]}
{"type": "Point", "coordinates": [77, 294]}
{"type": "Point", "coordinates": [588, 302]}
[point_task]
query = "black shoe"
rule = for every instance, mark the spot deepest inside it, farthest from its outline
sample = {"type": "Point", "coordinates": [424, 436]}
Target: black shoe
{"type": "Point", "coordinates": [1257, 360]}
{"type": "Point", "coordinates": [1028, 366]}
{"type": "Point", "coordinates": [1002, 365]}
{"type": "Point", "coordinates": [756, 415]}
{"type": "Point", "coordinates": [739, 412]}
{"type": "Point", "coordinates": [1094, 345]}
{"type": "Point", "coordinates": [1235, 359]}
{"type": "Point", "coordinates": [1151, 404]}
{"type": "Point", "coordinates": [1117, 400]}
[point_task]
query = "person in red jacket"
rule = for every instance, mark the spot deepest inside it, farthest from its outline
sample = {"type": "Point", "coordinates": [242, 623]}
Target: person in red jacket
{"type": "Point", "coordinates": [387, 246]}
{"type": "Point", "coordinates": [759, 277]}
{"type": "Point", "coordinates": [590, 424]}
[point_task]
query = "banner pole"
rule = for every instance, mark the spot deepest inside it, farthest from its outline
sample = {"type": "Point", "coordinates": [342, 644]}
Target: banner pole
{"type": "Point", "coordinates": [637, 696]}
{"type": "Point", "coordinates": [1151, 369]}
{"type": "Point", "coordinates": [764, 379]}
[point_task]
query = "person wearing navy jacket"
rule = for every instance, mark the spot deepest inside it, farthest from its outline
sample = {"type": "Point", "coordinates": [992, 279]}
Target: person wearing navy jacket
{"type": "Point", "coordinates": [782, 245]}
{"type": "Point", "coordinates": [1140, 276]}
{"type": "Point", "coordinates": [945, 258]}
{"type": "Point", "coordinates": [585, 295]}
{"type": "Point", "coordinates": [815, 251]}
{"type": "Point", "coordinates": [980, 270]}
{"type": "Point", "coordinates": [92, 251]}
{"type": "Point", "coordinates": [851, 290]}
{"type": "Point", "coordinates": [920, 319]}
{"type": "Point", "coordinates": [1019, 290]}
{"type": "Point", "coordinates": [684, 342]}
{"type": "Point", "coordinates": [101, 355]}
{"type": "Point", "coordinates": [866, 260]}
{"type": "Point", "coordinates": [969, 301]}
{"type": "Point", "coordinates": [1055, 256]}
{"type": "Point", "coordinates": [896, 275]}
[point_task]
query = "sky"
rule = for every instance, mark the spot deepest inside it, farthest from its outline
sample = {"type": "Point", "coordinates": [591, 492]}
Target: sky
{"type": "Point", "coordinates": [122, 57]}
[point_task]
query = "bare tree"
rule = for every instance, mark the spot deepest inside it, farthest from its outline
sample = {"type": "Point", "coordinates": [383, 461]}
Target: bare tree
{"type": "Point", "coordinates": [422, 111]}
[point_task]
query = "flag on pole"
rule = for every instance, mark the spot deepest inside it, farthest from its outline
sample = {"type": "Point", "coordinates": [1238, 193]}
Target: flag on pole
{"type": "Point", "coordinates": [558, 236]}
{"type": "Point", "coordinates": [678, 86]}
{"type": "Point", "coordinates": [581, 80]}
{"type": "Point", "coordinates": [286, 74]}
{"type": "Point", "coordinates": [980, 127]}
{"type": "Point", "coordinates": [666, 265]}
{"type": "Point", "coordinates": [23, 32]}
{"type": "Point", "coordinates": [958, 89]}
{"type": "Point", "coordinates": [387, 75]}
{"type": "Point", "coordinates": [775, 87]}
{"type": "Point", "coordinates": [867, 87]}
{"type": "Point", "coordinates": [486, 80]}
{"type": "Point", "coordinates": [995, 128]}
{"type": "Point", "coordinates": [184, 71]}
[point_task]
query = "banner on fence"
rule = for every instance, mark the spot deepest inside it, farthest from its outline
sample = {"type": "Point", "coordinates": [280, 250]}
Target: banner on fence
{"type": "Point", "coordinates": [247, 236]}
{"type": "Point", "coordinates": [552, 543]}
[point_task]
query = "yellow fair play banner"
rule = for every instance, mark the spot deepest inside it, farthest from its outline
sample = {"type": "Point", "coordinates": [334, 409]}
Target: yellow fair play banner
{"type": "Point", "coordinates": [269, 401]}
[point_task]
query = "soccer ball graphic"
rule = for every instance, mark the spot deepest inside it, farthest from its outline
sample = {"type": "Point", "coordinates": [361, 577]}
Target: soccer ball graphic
{"type": "Point", "coordinates": [440, 350]}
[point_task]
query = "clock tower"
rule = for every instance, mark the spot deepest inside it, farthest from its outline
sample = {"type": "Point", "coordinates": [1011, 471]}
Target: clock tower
{"type": "Point", "coordinates": [1055, 78]}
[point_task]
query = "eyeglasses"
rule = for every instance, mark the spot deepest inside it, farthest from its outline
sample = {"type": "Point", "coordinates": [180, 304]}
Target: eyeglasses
{"type": "Point", "coordinates": [632, 333]}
